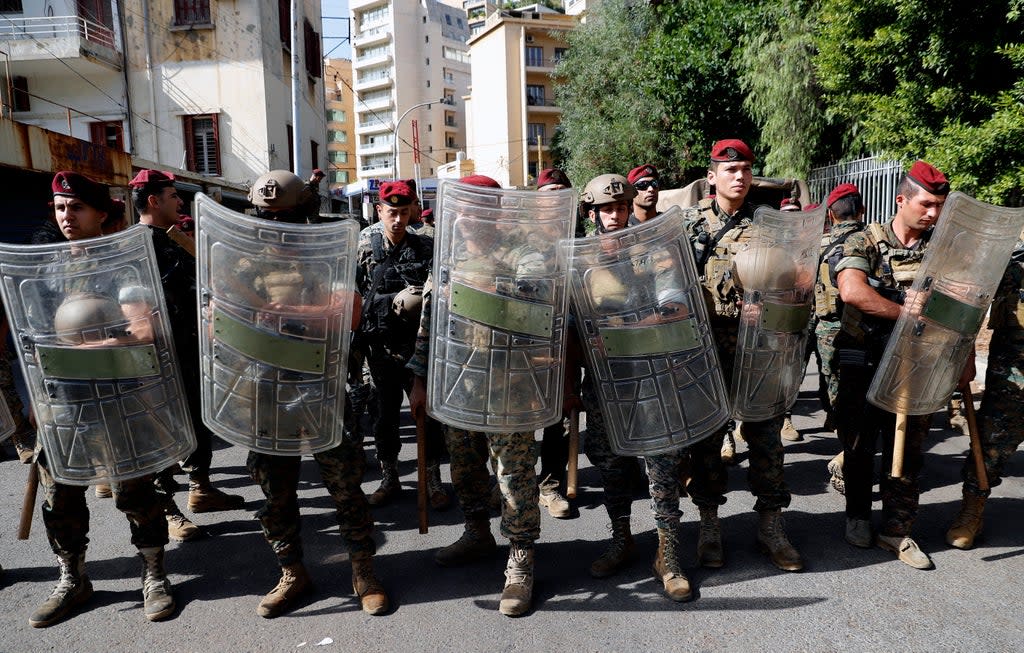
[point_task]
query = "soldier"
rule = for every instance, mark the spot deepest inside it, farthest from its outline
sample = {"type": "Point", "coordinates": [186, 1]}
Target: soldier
{"type": "Point", "coordinates": [393, 265]}
{"type": "Point", "coordinates": [877, 265]}
{"type": "Point", "coordinates": [514, 454]}
{"type": "Point", "coordinates": [281, 196]}
{"type": "Point", "coordinates": [1000, 419]}
{"type": "Point", "coordinates": [846, 217]}
{"type": "Point", "coordinates": [158, 204]}
{"type": "Point", "coordinates": [644, 179]}
{"type": "Point", "coordinates": [81, 206]}
{"type": "Point", "coordinates": [718, 226]}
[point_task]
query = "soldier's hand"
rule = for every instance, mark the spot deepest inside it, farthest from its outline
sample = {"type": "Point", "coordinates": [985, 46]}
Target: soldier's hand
{"type": "Point", "coordinates": [418, 397]}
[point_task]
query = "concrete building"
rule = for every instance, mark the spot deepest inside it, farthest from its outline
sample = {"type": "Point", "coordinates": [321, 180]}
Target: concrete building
{"type": "Point", "coordinates": [407, 53]}
{"type": "Point", "coordinates": [341, 141]}
{"type": "Point", "coordinates": [511, 111]}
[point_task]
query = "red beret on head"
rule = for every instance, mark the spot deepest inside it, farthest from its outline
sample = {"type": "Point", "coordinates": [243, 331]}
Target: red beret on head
{"type": "Point", "coordinates": [811, 207]}
{"type": "Point", "coordinates": [480, 180]}
{"type": "Point", "coordinates": [72, 184]}
{"type": "Point", "coordinates": [153, 178]}
{"type": "Point", "coordinates": [411, 183]}
{"type": "Point", "coordinates": [731, 149]}
{"type": "Point", "coordinates": [396, 193]}
{"type": "Point", "coordinates": [841, 191]}
{"type": "Point", "coordinates": [427, 214]}
{"type": "Point", "coordinates": [552, 176]}
{"type": "Point", "coordinates": [318, 171]}
{"type": "Point", "coordinates": [929, 178]}
{"type": "Point", "coordinates": [639, 172]}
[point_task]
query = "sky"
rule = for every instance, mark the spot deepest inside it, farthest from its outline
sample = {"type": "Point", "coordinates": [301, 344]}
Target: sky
{"type": "Point", "coordinates": [335, 30]}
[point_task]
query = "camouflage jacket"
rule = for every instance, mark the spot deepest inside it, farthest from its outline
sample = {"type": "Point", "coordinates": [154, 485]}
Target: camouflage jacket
{"type": "Point", "coordinates": [1008, 306]}
{"type": "Point", "coordinates": [703, 222]}
{"type": "Point", "coordinates": [826, 293]}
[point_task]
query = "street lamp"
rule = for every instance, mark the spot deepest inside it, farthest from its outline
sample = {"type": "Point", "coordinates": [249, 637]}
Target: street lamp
{"type": "Point", "coordinates": [399, 122]}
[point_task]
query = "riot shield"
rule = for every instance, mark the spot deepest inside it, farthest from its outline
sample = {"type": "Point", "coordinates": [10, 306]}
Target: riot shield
{"type": "Point", "coordinates": [644, 330]}
{"type": "Point", "coordinates": [275, 310]}
{"type": "Point", "coordinates": [95, 346]}
{"type": "Point", "coordinates": [499, 307]}
{"type": "Point", "coordinates": [776, 269]}
{"type": "Point", "coordinates": [945, 306]}
{"type": "Point", "coordinates": [7, 425]}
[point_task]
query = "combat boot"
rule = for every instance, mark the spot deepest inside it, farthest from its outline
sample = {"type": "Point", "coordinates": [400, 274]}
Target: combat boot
{"type": "Point", "coordinates": [517, 596]}
{"type": "Point", "coordinates": [104, 491]}
{"type": "Point", "coordinates": [73, 589]}
{"type": "Point", "coordinates": [203, 497]}
{"type": "Point", "coordinates": [179, 527]}
{"type": "Point", "coordinates": [667, 568]}
{"type": "Point", "coordinates": [967, 523]}
{"type": "Point", "coordinates": [389, 485]}
{"type": "Point", "coordinates": [617, 555]}
{"type": "Point", "coordinates": [789, 432]}
{"type": "Point", "coordinates": [835, 470]}
{"type": "Point", "coordinates": [476, 542]}
{"type": "Point", "coordinates": [294, 583]}
{"type": "Point", "coordinates": [438, 497]}
{"type": "Point", "coordinates": [156, 589]}
{"type": "Point", "coordinates": [771, 536]}
{"type": "Point", "coordinates": [372, 597]}
{"type": "Point", "coordinates": [551, 498]}
{"type": "Point", "coordinates": [729, 448]}
{"type": "Point", "coordinates": [709, 539]}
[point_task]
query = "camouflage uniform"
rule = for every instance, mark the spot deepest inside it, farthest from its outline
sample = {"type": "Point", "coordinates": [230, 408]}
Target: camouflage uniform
{"type": "Point", "coordinates": [891, 268]}
{"type": "Point", "coordinates": [827, 303]}
{"type": "Point", "coordinates": [722, 296]}
{"type": "Point", "coordinates": [1000, 418]}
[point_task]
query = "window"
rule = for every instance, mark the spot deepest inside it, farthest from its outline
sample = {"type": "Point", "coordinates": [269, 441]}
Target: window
{"type": "Point", "coordinates": [536, 133]}
{"type": "Point", "coordinates": [314, 150]}
{"type": "Point", "coordinates": [192, 12]}
{"type": "Point", "coordinates": [454, 54]}
{"type": "Point", "coordinates": [339, 176]}
{"type": "Point", "coordinates": [202, 144]}
{"type": "Point", "coordinates": [314, 60]}
{"type": "Point", "coordinates": [10, 7]}
{"type": "Point", "coordinates": [21, 96]}
{"type": "Point", "coordinates": [534, 56]}
{"type": "Point", "coordinates": [378, 15]}
{"type": "Point", "coordinates": [531, 169]}
{"type": "Point", "coordinates": [535, 95]}
{"type": "Point", "coordinates": [560, 53]}
{"type": "Point", "coordinates": [427, 59]}
{"type": "Point", "coordinates": [291, 148]}
{"type": "Point", "coordinates": [448, 19]}
{"type": "Point", "coordinates": [109, 133]}
{"type": "Point", "coordinates": [284, 21]}
{"type": "Point", "coordinates": [339, 156]}
{"type": "Point", "coordinates": [426, 39]}
{"type": "Point", "coordinates": [336, 115]}
{"type": "Point", "coordinates": [337, 136]}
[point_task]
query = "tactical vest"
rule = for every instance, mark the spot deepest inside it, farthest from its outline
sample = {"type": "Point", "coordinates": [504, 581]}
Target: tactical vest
{"type": "Point", "coordinates": [1008, 306]}
{"type": "Point", "coordinates": [826, 296]}
{"type": "Point", "coordinates": [403, 268]}
{"type": "Point", "coordinates": [721, 293]}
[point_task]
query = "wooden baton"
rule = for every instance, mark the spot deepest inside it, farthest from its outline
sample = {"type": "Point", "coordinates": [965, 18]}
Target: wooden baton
{"type": "Point", "coordinates": [899, 443]}
{"type": "Point", "coordinates": [972, 431]}
{"type": "Point", "coordinates": [571, 479]}
{"type": "Point", "coordinates": [421, 472]}
{"type": "Point", "coordinates": [29, 504]}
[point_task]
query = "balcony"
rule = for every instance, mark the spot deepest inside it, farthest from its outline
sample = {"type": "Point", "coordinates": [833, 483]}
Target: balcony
{"type": "Point", "coordinates": [373, 127]}
{"type": "Point", "coordinates": [372, 170]}
{"type": "Point", "coordinates": [541, 105]}
{"type": "Point", "coordinates": [376, 103]}
{"type": "Point", "coordinates": [372, 36]}
{"type": "Point", "coordinates": [40, 44]}
{"type": "Point", "coordinates": [377, 147]}
{"type": "Point", "coordinates": [373, 81]}
{"type": "Point", "coordinates": [375, 60]}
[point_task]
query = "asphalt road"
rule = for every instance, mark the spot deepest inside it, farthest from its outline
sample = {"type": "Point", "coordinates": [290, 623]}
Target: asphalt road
{"type": "Point", "coordinates": [846, 599]}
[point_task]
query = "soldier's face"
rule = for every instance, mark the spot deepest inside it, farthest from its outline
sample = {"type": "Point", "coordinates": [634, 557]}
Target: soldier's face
{"type": "Point", "coordinates": [76, 219]}
{"type": "Point", "coordinates": [395, 219]}
{"type": "Point", "coordinates": [166, 206]}
{"type": "Point", "coordinates": [612, 216]}
{"type": "Point", "coordinates": [731, 179]}
{"type": "Point", "coordinates": [646, 192]}
{"type": "Point", "coordinates": [920, 211]}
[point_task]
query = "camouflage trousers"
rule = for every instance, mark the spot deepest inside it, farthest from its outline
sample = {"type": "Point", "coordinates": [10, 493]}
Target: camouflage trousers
{"type": "Point", "coordinates": [861, 425]}
{"type": "Point", "coordinates": [663, 471]}
{"type": "Point", "coordinates": [391, 378]}
{"type": "Point", "coordinates": [825, 332]}
{"type": "Point", "coordinates": [1001, 416]}
{"type": "Point", "coordinates": [66, 515]}
{"type": "Point", "coordinates": [341, 469]}
{"type": "Point", "coordinates": [515, 458]}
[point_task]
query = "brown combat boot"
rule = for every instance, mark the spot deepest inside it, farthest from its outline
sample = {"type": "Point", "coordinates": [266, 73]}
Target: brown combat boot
{"type": "Point", "coordinates": [367, 587]}
{"type": "Point", "coordinates": [667, 568]}
{"type": "Point", "coordinates": [835, 470]}
{"type": "Point", "coordinates": [104, 491]}
{"type": "Point", "coordinates": [203, 497]}
{"type": "Point", "coordinates": [73, 589]}
{"type": "Point", "coordinates": [517, 597]}
{"type": "Point", "coordinates": [389, 488]}
{"type": "Point", "coordinates": [157, 600]}
{"type": "Point", "coordinates": [771, 536]}
{"type": "Point", "coordinates": [789, 432]}
{"type": "Point", "coordinates": [294, 583]}
{"type": "Point", "coordinates": [179, 527]}
{"type": "Point", "coordinates": [617, 555]}
{"type": "Point", "coordinates": [476, 542]}
{"type": "Point", "coordinates": [728, 452]}
{"type": "Point", "coordinates": [436, 494]}
{"type": "Point", "coordinates": [709, 539]}
{"type": "Point", "coordinates": [967, 523]}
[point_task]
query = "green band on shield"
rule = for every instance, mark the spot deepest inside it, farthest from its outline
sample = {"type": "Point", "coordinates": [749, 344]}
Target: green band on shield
{"type": "Point", "coordinates": [785, 318]}
{"type": "Point", "coordinates": [98, 363]}
{"type": "Point", "coordinates": [650, 340]}
{"type": "Point", "coordinates": [953, 313]}
{"type": "Point", "coordinates": [504, 313]}
{"type": "Point", "coordinates": [270, 348]}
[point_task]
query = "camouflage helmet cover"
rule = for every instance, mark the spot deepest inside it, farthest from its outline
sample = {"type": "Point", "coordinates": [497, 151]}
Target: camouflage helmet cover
{"type": "Point", "coordinates": [606, 189]}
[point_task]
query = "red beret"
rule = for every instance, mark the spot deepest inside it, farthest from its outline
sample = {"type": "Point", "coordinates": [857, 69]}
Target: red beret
{"type": "Point", "coordinates": [789, 204]}
{"type": "Point", "coordinates": [318, 171]}
{"type": "Point", "coordinates": [639, 172]}
{"type": "Point", "coordinates": [154, 178]}
{"type": "Point", "coordinates": [811, 207]}
{"type": "Point", "coordinates": [731, 149]}
{"type": "Point", "coordinates": [427, 214]}
{"type": "Point", "coordinates": [929, 178]}
{"type": "Point", "coordinates": [411, 183]}
{"type": "Point", "coordinates": [480, 180]}
{"type": "Point", "coordinates": [396, 193]}
{"type": "Point", "coordinates": [841, 191]}
{"type": "Point", "coordinates": [72, 184]}
{"type": "Point", "coordinates": [552, 176]}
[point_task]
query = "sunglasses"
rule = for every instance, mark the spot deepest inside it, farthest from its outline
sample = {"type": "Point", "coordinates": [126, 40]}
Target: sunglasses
{"type": "Point", "coordinates": [645, 184]}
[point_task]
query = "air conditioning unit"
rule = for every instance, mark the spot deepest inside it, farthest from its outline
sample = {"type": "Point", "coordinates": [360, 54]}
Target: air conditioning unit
{"type": "Point", "coordinates": [529, 38]}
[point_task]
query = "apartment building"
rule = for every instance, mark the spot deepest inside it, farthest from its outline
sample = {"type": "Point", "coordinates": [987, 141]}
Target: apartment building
{"type": "Point", "coordinates": [340, 104]}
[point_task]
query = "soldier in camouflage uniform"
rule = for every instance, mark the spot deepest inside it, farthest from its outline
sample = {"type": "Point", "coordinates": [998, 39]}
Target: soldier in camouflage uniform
{"type": "Point", "coordinates": [82, 207]}
{"type": "Point", "coordinates": [608, 199]}
{"type": "Point", "coordinates": [876, 266]}
{"type": "Point", "coordinates": [718, 227]}
{"type": "Point", "coordinates": [1000, 418]}
{"type": "Point", "coordinates": [158, 204]}
{"type": "Point", "coordinates": [280, 195]}
{"type": "Point", "coordinates": [846, 217]}
{"type": "Point", "coordinates": [514, 454]}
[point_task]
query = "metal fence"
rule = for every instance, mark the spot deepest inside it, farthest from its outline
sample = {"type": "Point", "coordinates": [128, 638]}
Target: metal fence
{"type": "Point", "coordinates": [876, 179]}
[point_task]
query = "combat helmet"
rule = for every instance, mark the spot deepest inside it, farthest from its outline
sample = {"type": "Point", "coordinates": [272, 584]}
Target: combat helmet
{"type": "Point", "coordinates": [606, 189]}
{"type": "Point", "coordinates": [278, 190]}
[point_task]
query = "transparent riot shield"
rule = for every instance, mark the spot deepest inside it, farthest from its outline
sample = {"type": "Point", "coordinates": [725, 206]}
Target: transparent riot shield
{"type": "Point", "coordinates": [499, 307]}
{"type": "Point", "coordinates": [776, 269]}
{"type": "Point", "coordinates": [92, 336]}
{"type": "Point", "coordinates": [275, 311]}
{"type": "Point", "coordinates": [644, 330]}
{"type": "Point", "coordinates": [7, 425]}
{"type": "Point", "coordinates": [945, 306]}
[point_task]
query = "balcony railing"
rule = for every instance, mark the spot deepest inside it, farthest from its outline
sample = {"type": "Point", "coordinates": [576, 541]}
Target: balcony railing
{"type": "Point", "coordinates": [50, 27]}
{"type": "Point", "coordinates": [534, 101]}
